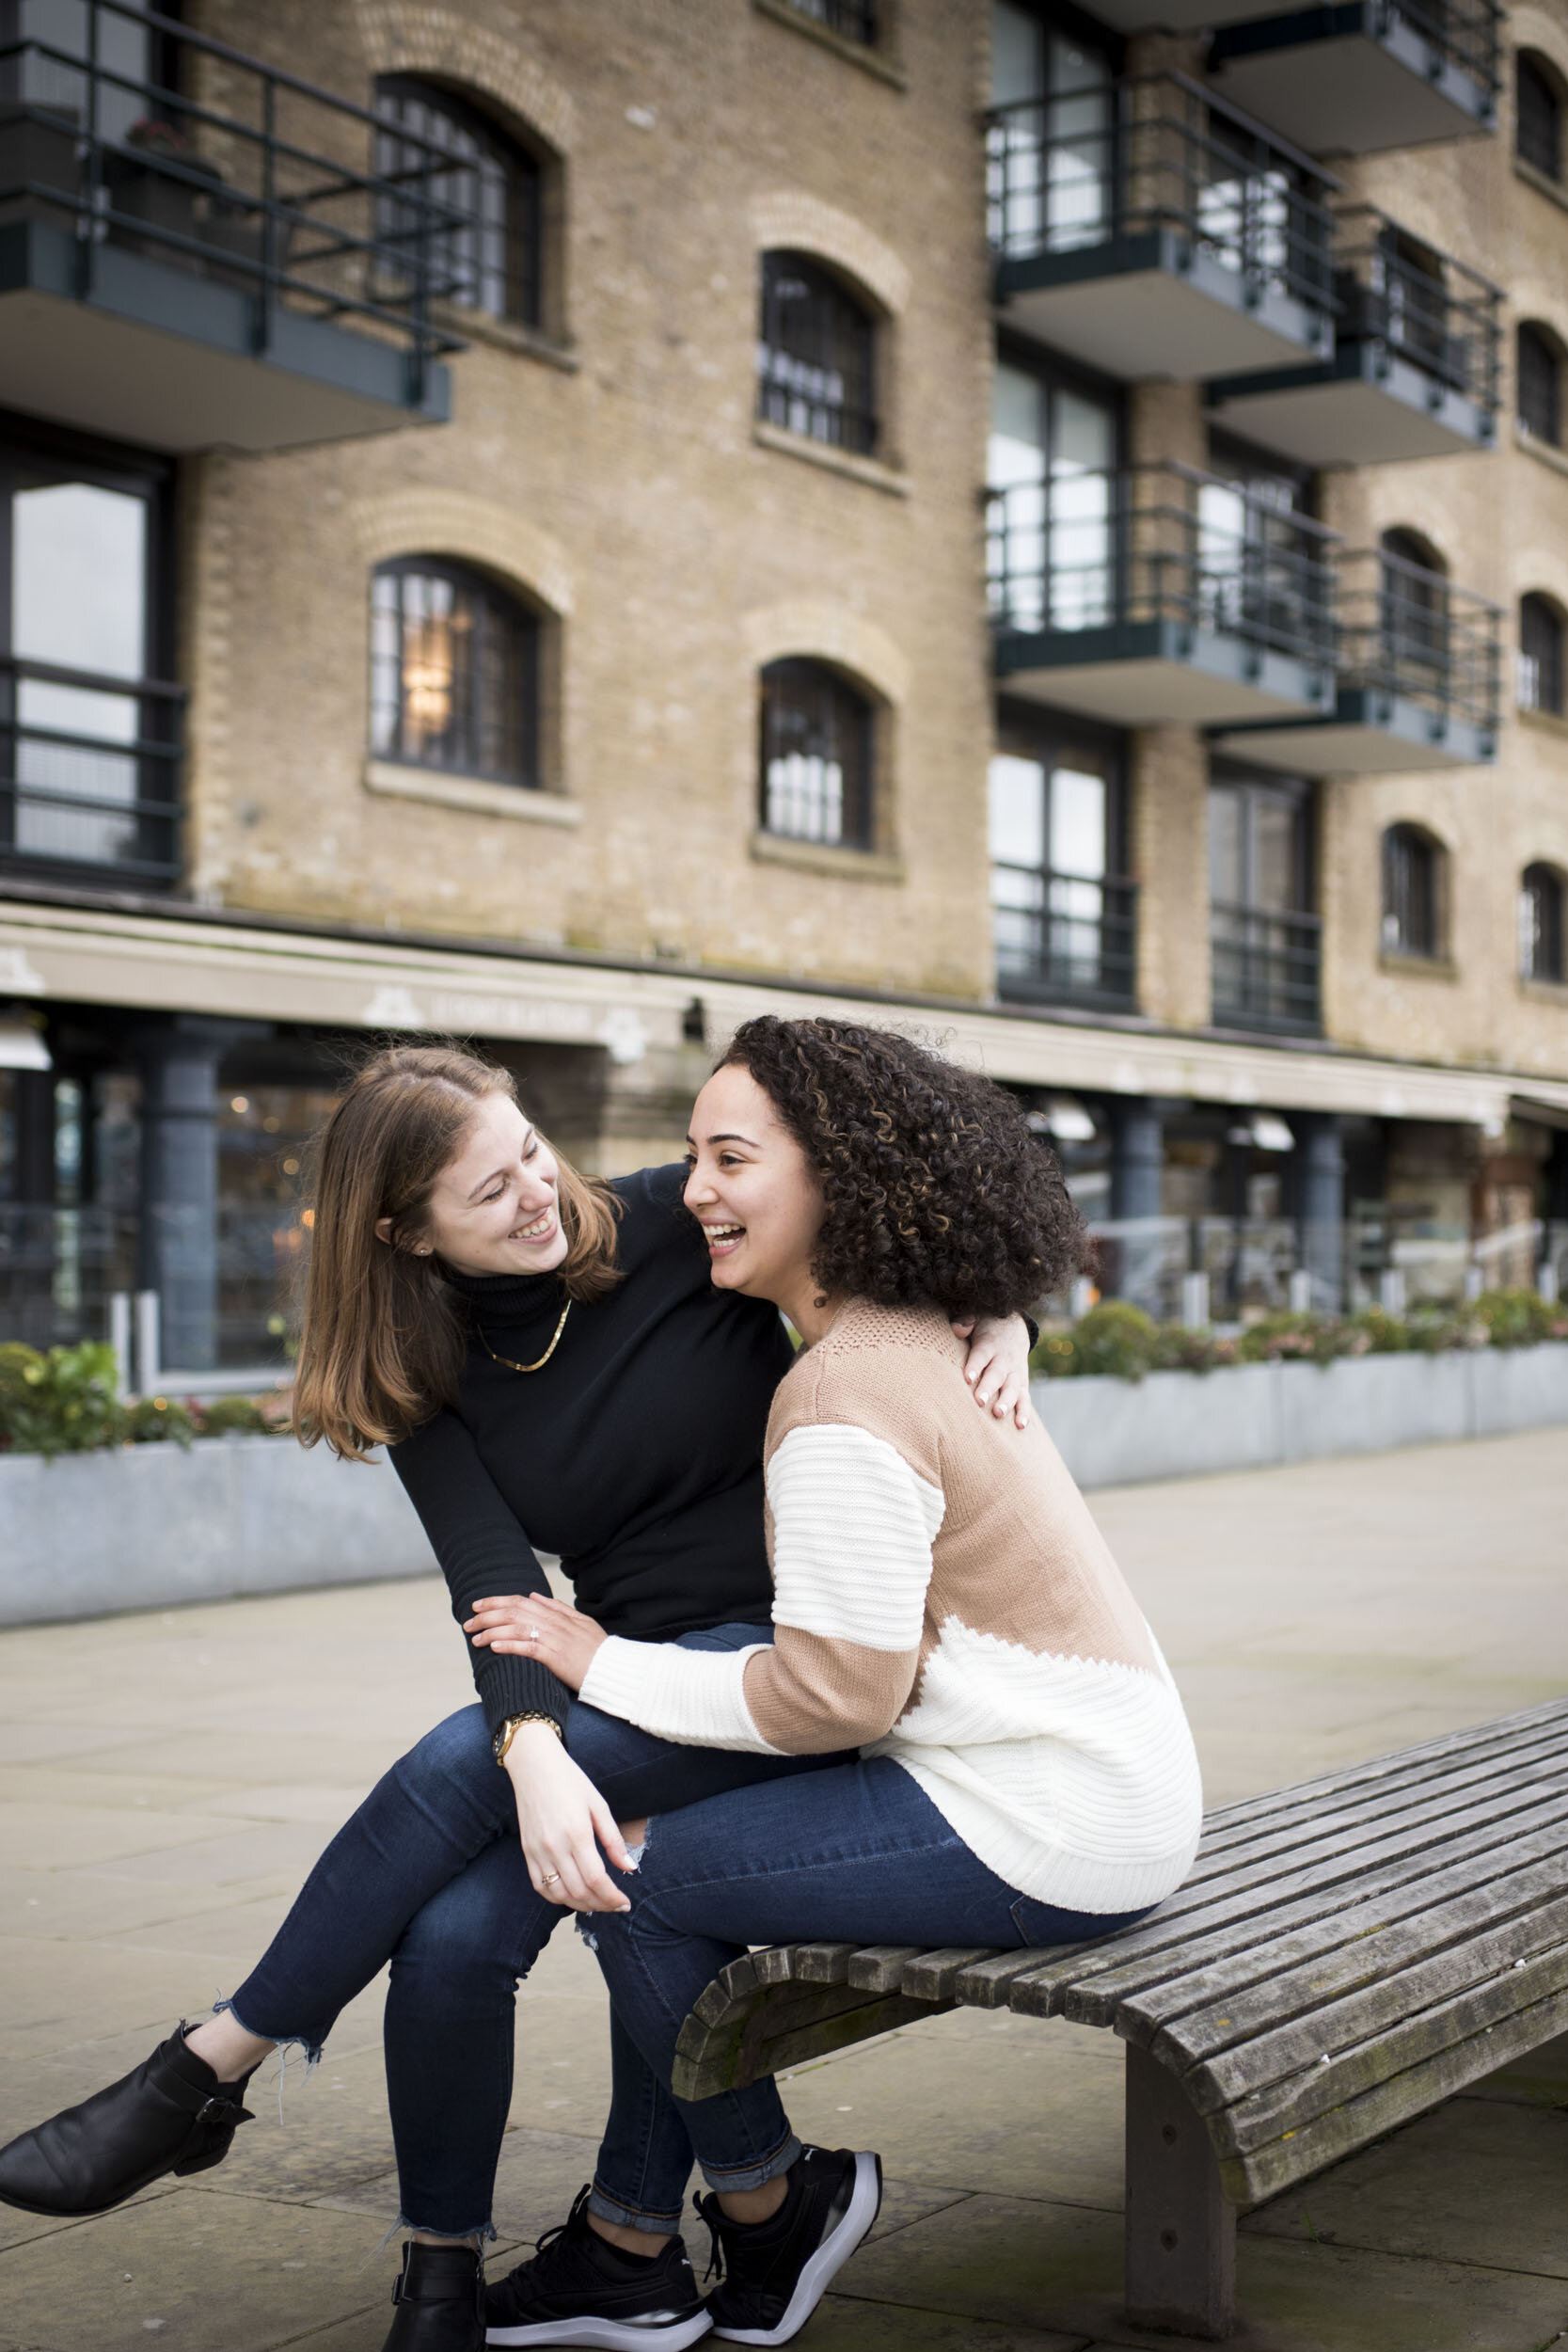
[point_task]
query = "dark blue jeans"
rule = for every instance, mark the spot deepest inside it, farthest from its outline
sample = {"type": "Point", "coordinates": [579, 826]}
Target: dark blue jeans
{"type": "Point", "coordinates": [429, 1874]}
{"type": "Point", "coordinates": [855, 1854]}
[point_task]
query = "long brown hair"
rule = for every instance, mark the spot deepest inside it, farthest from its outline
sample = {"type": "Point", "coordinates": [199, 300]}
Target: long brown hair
{"type": "Point", "coordinates": [382, 1344]}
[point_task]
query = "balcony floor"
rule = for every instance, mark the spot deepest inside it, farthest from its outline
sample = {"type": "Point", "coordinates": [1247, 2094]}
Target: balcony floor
{"type": "Point", "coordinates": [1151, 305]}
{"type": "Point", "coordinates": [1369, 735]}
{"type": "Point", "coordinates": [1186, 16]}
{"type": "Point", "coordinates": [1365, 407]}
{"type": "Point", "coordinates": [164, 356]}
{"type": "Point", "coordinates": [1151, 674]}
{"type": "Point", "coordinates": [1347, 90]}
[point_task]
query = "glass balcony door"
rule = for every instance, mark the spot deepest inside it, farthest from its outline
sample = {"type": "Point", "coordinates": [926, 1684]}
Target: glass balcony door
{"type": "Point", "coordinates": [46, 76]}
{"type": "Point", "coordinates": [1053, 550]}
{"type": "Point", "coordinates": [86, 738]}
{"type": "Point", "coordinates": [1052, 160]}
{"type": "Point", "coordinates": [1264, 932]}
{"type": "Point", "coordinates": [1062, 910]}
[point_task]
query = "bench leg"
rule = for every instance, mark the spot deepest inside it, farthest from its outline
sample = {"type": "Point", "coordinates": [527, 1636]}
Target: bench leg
{"type": "Point", "coordinates": [1180, 2231]}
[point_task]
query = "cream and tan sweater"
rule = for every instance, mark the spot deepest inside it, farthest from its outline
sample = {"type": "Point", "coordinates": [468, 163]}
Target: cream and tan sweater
{"type": "Point", "coordinates": [943, 1597]}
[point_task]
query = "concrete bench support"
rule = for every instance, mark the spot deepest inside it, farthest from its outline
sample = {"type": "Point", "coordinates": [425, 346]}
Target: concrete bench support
{"type": "Point", "coordinates": [1180, 2242]}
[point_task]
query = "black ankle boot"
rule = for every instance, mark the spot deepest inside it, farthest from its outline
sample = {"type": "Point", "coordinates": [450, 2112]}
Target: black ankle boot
{"type": "Point", "coordinates": [170, 2115]}
{"type": "Point", "coordinates": [441, 2299]}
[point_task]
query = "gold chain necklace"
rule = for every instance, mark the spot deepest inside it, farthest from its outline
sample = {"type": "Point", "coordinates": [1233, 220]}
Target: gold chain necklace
{"type": "Point", "coordinates": [544, 1358]}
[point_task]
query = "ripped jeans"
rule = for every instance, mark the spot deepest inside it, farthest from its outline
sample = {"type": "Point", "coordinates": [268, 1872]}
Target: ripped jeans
{"type": "Point", "coordinates": [429, 1874]}
{"type": "Point", "coordinates": [857, 1854]}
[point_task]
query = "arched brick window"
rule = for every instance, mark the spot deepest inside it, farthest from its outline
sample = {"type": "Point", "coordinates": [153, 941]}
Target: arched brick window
{"type": "Point", "coordinates": [1540, 923]}
{"type": "Point", "coordinates": [818, 754]}
{"type": "Point", "coordinates": [491, 260]}
{"type": "Point", "coordinates": [1540, 675]}
{"type": "Point", "coordinates": [1413, 879]}
{"type": "Point", "coordinates": [816, 354]}
{"type": "Point", "coordinates": [454, 672]}
{"type": "Point", "coordinates": [1538, 383]}
{"type": "Point", "coordinates": [1538, 114]}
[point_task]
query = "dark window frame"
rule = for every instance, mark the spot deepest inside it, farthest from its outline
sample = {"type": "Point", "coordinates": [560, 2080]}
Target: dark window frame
{"type": "Point", "coordinates": [495, 605]}
{"type": "Point", "coordinates": [1538, 382]}
{"type": "Point", "coordinates": [145, 474]}
{"type": "Point", "coordinates": [521, 173]}
{"type": "Point", "coordinates": [861, 21]}
{"type": "Point", "coordinates": [1414, 870]}
{"type": "Point", "coordinates": [1538, 118]}
{"type": "Point", "coordinates": [1054, 740]}
{"type": "Point", "coordinates": [1542, 634]}
{"type": "Point", "coordinates": [1540, 923]}
{"type": "Point", "coordinates": [842, 339]}
{"type": "Point", "coordinates": [1051, 374]}
{"type": "Point", "coordinates": [1274, 955]}
{"type": "Point", "coordinates": [848, 722]}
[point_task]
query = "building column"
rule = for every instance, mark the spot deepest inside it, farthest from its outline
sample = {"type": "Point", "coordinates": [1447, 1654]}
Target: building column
{"type": "Point", "coordinates": [1137, 1159]}
{"type": "Point", "coordinates": [1318, 1171]}
{"type": "Point", "coordinates": [178, 1251]}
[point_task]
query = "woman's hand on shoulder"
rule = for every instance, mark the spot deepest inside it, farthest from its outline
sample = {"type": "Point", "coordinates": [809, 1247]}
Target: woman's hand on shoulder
{"type": "Point", "coordinates": [563, 1823]}
{"type": "Point", "coordinates": [997, 1366]}
{"type": "Point", "coordinates": [537, 1627]}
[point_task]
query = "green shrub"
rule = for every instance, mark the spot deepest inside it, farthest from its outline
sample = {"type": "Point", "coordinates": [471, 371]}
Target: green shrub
{"type": "Point", "coordinates": [1115, 1339]}
{"type": "Point", "coordinates": [1054, 1356]}
{"type": "Point", "coordinates": [60, 1403]}
{"type": "Point", "coordinates": [1291, 1338]}
{"type": "Point", "coordinates": [159, 1419]}
{"type": "Point", "coordinates": [1178, 1349]}
{"type": "Point", "coordinates": [1517, 1318]}
{"type": "Point", "coordinates": [236, 1417]}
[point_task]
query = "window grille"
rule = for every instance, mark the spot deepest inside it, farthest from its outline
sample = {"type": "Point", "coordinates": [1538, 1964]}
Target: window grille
{"type": "Point", "coordinates": [455, 665]}
{"type": "Point", "coordinates": [1540, 923]}
{"type": "Point", "coordinates": [1540, 682]}
{"type": "Point", "coordinates": [489, 259]}
{"type": "Point", "coordinates": [816, 756]}
{"type": "Point", "coordinates": [1410, 892]}
{"type": "Point", "coordinates": [815, 356]}
{"type": "Point", "coordinates": [1538, 119]}
{"type": "Point", "coordinates": [1539, 385]}
{"type": "Point", "coordinates": [851, 20]}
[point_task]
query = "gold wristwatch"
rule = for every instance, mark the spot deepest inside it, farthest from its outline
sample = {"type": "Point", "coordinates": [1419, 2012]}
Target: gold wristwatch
{"type": "Point", "coordinates": [506, 1732]}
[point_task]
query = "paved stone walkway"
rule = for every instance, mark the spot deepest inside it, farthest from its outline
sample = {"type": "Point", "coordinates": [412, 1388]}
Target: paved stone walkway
{"type": "Point", "coordinates": [166, 1780]}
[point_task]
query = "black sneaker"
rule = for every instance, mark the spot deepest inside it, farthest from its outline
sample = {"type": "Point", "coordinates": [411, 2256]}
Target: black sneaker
{"type": "Point", "coordinates": [776, 2272]}
{"type": "Point", "coordinates": [580, 2289]}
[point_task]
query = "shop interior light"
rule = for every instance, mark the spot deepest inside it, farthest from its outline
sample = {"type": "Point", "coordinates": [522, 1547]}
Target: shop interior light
{"type": "Point", "coordinates": [1270, 1133]}
{"type": "Point", "coordinates": [22, 1047]}
{"type": "Point", "coordinates": [1065, 1117]}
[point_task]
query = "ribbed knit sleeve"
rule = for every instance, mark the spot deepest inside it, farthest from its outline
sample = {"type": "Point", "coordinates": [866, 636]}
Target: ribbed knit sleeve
{"type": "Point", "coordinates": [483, 1552]}
{"type": "Point", "coordinates": [852, 1529]}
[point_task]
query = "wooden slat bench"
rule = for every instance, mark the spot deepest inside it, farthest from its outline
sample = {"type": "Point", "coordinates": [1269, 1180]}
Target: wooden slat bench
{"type": "Point", "coordinates": [1344, 1955]}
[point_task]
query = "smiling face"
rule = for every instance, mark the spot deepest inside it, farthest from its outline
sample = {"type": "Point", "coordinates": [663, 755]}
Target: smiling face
{"type": "Point", "coordinates": [494, 1208]}
{"type": "Point", "coordinates": [754, 1195]}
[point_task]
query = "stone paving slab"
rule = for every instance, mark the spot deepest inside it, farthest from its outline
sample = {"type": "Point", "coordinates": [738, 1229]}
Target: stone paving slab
{"type": "Point", "coordinates": [1314, 1616]}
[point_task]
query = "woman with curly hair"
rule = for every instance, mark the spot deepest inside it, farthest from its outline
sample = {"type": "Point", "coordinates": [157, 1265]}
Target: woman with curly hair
{"type": "Point", "coordinates": [942, 1602]}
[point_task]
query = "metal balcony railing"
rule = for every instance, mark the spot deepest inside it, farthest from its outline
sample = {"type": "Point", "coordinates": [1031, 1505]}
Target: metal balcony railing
{"type": "Point", "coordinates": [1265, 967]}
{"type": "Point", "coordinates": [1408, 632]}
{"type": "Point", "coordinates": [1162, 543]}
{"type": "Point", "coordinates": [140, 132]}
{"type": "Point", "coordinates": [90, 770]}
{"type": "Point", "coordinates": [1160, 151]}
{"type": "Point", "coordinates": [1423, 306]}
{"type": "Point", "coordinates": [1465, 33]}
{"type": "Point", "coordinates": [1064, 935]}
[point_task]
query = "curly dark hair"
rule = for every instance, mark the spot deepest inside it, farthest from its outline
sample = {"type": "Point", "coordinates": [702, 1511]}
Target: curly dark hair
{"type": "Point", "coordinates": [936, 1189]}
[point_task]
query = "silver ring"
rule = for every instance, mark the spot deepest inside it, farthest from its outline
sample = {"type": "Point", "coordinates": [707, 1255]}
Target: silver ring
{"type": "Point", "coordinates": [552, 1878]}
{"type": "Point", "coordinates": [531, 1634]}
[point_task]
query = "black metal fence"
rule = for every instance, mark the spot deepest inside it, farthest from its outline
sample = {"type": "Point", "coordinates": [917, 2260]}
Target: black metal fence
{"type": "Point", "coordinates": [136, 131]}
{"type": "Point", "coordinates": [1407, 631]}
{"type": "Point", "coordinates": [1422, 305]}
{"type": "Point", "coordinates": [1064, 936]}
{"type": "Point", "coordinates": [1158, 151]}
{"type": "Point", "coordinates": [1082, 551]}
{"type": "Point", "coordinates": [1265, 967]}
{"type": "Point", "coordinates": [109, 797]}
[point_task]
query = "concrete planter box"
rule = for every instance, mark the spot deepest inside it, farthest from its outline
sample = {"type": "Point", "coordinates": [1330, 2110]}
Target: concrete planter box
{"type": "Point", "coordinates": [1177, 1425]}
{"type": "Point", "coordinates": [149, 1525]}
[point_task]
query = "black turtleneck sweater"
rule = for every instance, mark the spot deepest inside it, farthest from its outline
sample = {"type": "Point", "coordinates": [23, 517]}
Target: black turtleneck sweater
{"type": "Point", "coordinates": [636, 1453]}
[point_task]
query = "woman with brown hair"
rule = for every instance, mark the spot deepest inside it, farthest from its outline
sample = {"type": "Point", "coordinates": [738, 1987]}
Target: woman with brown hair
{"type": "Point", "coordinates": [547, 1361]}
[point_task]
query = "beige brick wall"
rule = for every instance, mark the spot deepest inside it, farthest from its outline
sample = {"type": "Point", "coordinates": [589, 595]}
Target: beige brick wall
{"type": "Point", "coordinates": [626, 494]}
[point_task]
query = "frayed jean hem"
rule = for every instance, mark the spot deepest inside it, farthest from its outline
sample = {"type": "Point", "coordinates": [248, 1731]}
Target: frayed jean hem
{"type": "Point", "coordinates": [284, 2042]}
{"type": "Point", "coordinates": [734, 2179]}
{"type": "Point", "coordinates": [609, 2208]}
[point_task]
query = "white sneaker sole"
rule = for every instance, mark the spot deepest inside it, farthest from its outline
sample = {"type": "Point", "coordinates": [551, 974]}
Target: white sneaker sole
{"type": "Point", "coordinates": [818, 2273]}
{"type": "Point", "coordinates": [607, 2335]}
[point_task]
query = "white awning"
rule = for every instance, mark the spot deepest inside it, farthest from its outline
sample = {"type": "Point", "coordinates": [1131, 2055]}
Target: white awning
{"type": "Point", "coordinates": [230, 966]}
